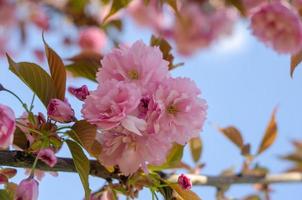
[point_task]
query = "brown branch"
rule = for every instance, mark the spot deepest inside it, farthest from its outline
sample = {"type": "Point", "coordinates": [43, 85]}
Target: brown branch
{"type": "Point", "coordinates": [22, 159]}
{"type": "Point", "coordinates": [217, 181]}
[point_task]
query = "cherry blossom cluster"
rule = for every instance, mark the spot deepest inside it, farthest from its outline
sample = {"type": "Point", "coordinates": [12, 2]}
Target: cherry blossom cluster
{"type": "Point", "coordinates": [140, 109]}
{"type": "Point", "coordinates": [198, 24]}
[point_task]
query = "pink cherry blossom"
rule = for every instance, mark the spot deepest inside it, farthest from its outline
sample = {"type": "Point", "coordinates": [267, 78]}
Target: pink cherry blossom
{"type": "Point", "coordinates": [80, 93]}
{"type": "Point", "coordinates": [111, 103]}
{"type": "Point", "coordinates": [139, 64]}
{"type": "Point", "coordinates": [47, 156]}
{"type": "Point", "coordinates": [150, 14]}
{"type": "Point", "coordinates": [183, 112]}
{"type": "Point", "coordinates": [39, 174]}
{"type": "Point", "coordinates": [199, 27]}
{"type": "Point", "coordinates": [60, 111]}
{"type": "Point", "coordinates": [40, 18]}
{"type": "Point", "coordinates": [92, 38]}
{"type": "Point", "coordinates": [27, 190]}
{"type": "Point", "coordinates": [184, 182]}
{"type": "Point", "coordinates": [7, 126]}
{"type": "Point", "coordinates": [250, 5]}
{"type": "Point", "coordinates": [278, 26]}
{"type": "Point", "coordinates": [131, 151]}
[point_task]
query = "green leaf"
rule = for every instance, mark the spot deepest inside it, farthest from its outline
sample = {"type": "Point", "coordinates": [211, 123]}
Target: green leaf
{"type": "Point", "coordinates": [85, 65]}
{"type": "Point", "coordinates": [4, 195]}
{"type": "Point", "coordinates": [270, 134]}
{"type": "Point", "coordinates": [175, 154]}
{"type": "Point", "coordinates": [196, 148]}
{"type": "Point", "coordinates": [57, 71]}
{"type": "Point", "coordinates": [35, 78]}
{"type": "Point", "coordinates": [84, 133]}
{"type": "Point", "coordinates": [173, 158]}
{"type": "Point", "coordinates": [116, 6]}
{"type": "Point", "coordinates": [295, 60]}
{"type": "Point", "coordinates": [81, 164]}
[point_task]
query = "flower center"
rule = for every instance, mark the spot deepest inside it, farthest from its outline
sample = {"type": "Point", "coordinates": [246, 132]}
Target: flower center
{"type": "Point", "coordinates": [171, 109]}
{"type": "Point", "coordinates": [133, 74]}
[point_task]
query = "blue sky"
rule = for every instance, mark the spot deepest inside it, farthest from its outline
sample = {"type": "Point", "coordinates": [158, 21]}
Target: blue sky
{"type": "Point", "coordinates": [242, 81]}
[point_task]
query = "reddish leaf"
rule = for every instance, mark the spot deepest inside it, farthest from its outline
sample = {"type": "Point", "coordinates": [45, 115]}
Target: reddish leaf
{"type": "Point", "coordinates": [181, 194]}
{"type": "Point", "coordinates": [84, 133]}
{"type": "Point", "coordinates": [270, 134]}
{"type": "Point", "coordinates": [295, 60]}
{"type": "Point", "coordinates": [234, 135]}
{"type": "Point", "coordinates": [57, 71]}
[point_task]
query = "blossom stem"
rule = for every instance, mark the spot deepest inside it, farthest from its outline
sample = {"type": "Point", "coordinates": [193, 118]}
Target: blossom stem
{"type": "Point", "coordinates": [23, 104]}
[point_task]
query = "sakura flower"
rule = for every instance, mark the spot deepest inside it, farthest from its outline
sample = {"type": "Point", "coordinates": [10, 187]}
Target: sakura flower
{"type": "Point", "coordinates": [150, 14]}
{"type": "Point", "coordinates": [27, 190]}
{"type": "Point", "coordinates": [39, 174]}
{"type": "Point", "coordinates": [80, 93]}
{"type": "Point", "coordinates": [47, 156]}
{"type": "Point", "coordinates": [132, 152]}
{"type": "Point", "coordinates": [60, 111]}
{"type": "Point", "coordinates": [199, 27]}
{"type": "Point", "coordinates": [184, 182]}
{"type": "Point", "coordinates": [111, 103]}
{"type": "Point", "coordinates": [92, 38]}
{"type": "Point", "coordinates": [7, 126]}
{"type": "Point", "coordinates": [183, 112]}
{"type": "Point", "coordinates": [104, 195]}
{"type": "Point", "coordinates": [139, 64]}
{"type": "Point", "coordinates": [278, 26]}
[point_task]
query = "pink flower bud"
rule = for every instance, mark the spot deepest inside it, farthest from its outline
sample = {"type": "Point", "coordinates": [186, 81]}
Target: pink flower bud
{"type": "Point", "coordinates": [7, 126]}
{"type": "Point", "coordinates": [48, 156]}
{"type": "Point", "coordinates": [92, 38]}
{"type": "Point", "coordinates": [80, 93]}
{"type": "Point", "coordinates": [184, 182]}
{"type": "Point", "coordinates": [27, 190]}
{"type": "Point", "coordinates": [60, 111]}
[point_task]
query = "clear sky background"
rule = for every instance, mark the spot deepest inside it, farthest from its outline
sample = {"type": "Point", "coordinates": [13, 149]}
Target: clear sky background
{"type": "Point", "coordinates": [242, 81]}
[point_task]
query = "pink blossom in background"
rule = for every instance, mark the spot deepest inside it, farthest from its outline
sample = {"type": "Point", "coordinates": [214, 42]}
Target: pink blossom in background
{"type": "Point", "coordinates": [139, 64]}
{"type": "Point", "coordinates": [92, 39]}
{"type": "Point", "coordinates": [150, 14]}
{"type": "Point", "coordinates": [184, 182]}
{"type": "Point", "coordinates": [132, 152]}
{"type": "Point", "coordinates": [7, 126]}
{"type": "Point", "coordinates": [39, 54]}
{"type": "Point", "coordinates": [198, 28]}
{"type": "Point", "coordinates": [27, 190]}
{"type": "Point", "coordinates": [60, 111]}
{"type": "Point", "coordinates": [39, 174]}
{"type": "Point", "coordinates": [183, 112]}
{"type": "Point", "coordinates": [111, 103]}
{"type": "Point", "coordinates": [39, 18]}
{"type": "Point", "coordinates": [48, 156]}
{"type": "Point", "coordinates": [80, 93]}
{"type": "Point", "coordinates": [278, 26]}
{"type": "Point", "coordinates": [7, 13]}
{"type": "Point", "coordinates": [250, 5]}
